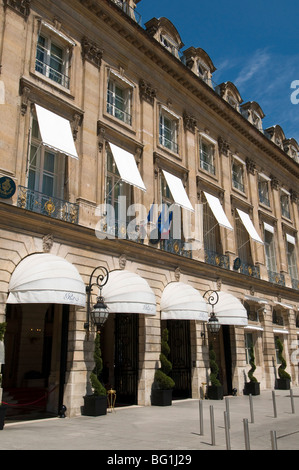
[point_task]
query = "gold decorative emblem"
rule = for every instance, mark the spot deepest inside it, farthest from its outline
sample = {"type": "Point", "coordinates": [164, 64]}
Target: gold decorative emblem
{"type": "Point", "coordinates": [49, 207]}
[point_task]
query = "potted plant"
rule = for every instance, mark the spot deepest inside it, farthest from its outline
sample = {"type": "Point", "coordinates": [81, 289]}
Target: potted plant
{"type": "Point", "coordinates": [3, 408]}
{"type": "Point", "coordinates": [163, 384]}
{"type": "Point", "coordinates": [96, 404]}
{"type": "Point", "coordinates": [284, 381]}
{"type": "Point", "coordinates": [215, 390]}
{"type": "Point", "coordinates": [252, 387]}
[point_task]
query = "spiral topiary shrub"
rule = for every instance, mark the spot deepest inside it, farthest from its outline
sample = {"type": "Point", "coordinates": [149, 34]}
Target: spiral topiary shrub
{"type": "Point", "coordinates": [252, 387]}
{"type": "Point", "coordinates": [253, 366]}
{"type": "Point", "coordinates": [95, 376]}
{"type": "Point", "coordinates": [162, 378]}
{"type": "Point", "coordinates": [214, 368]}
{"type": "Point", "coordinates": [281, 370]}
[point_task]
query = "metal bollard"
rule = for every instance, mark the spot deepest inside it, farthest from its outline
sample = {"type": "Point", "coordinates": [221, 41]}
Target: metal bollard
{"type": "Point", "coordinates": [246, 434]}
{"type": "Point", "coordinates": [273, 440]}
{"type": "Point", "coordinates": [213, 439]}
{"type": "Point", "coordinates": [274, 404]}
{"type": "Point", "coordinates": [227, 411]}
{"type": "Point", "coordinates": [227, 435]}
{"type": "Point", "coordinates": [201, 418]}
{"type": "Point", "coordinates": [292, 401]}
{"type": "Point", "coordinates": [251, 408]}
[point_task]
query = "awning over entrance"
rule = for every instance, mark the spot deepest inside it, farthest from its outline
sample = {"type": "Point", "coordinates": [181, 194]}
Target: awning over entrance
{"type": "Point", "coordinates": [56, 132]}
{"type": "Point", "coordinates": [230, 311]}
{"type": "Point", "coordinates": [182, 302]}
{"type": "Point", "coordinates": [44, 278]}
{"type": "Point", "coordinates": [127, 167]}
{"type": "Point", "coordinates": [127, 292]}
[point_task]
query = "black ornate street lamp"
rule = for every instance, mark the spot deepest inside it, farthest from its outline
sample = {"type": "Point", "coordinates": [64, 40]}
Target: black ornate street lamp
{"type": "Point", "coordinates": [99, 313]}
{"type": "Point", "coordinates": [213, 325]}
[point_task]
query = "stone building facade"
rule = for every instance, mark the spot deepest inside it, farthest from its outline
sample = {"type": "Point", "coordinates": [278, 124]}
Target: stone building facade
{"type": "Point", "coordinates": [104, 123]}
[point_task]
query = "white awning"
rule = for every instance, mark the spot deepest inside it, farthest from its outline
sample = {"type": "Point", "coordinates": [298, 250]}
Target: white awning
{"type": "Point", "coordinates": [127, 292]}
{"type": "Point", "coordinates": [127, 167]}
{"type": "Point", "coordinates": [291, 239]}
{"type": "Point", "coordinates": [44, 278]}
{"type": "Point", "coordinates": [268, 227]}
{"type": "Point", "coordinates": [56, 132]}
{"type": "Point", "coordinates": [178, 191]}
{"type": "Point", "coordinates": [181, 301]}
{"type": "Point", "coordinates": [218, 211]}
{"type": "Point", "coordinates": [249, 226]}
{"type": "Point", "coordinates": [229, 310]}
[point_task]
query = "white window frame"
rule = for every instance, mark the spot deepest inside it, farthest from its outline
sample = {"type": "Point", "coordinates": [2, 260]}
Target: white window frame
{"type": "Point", "coordinates": [119, 106]}
{"type": "Point", "coordinates": [270, 248]}
{"type": "Point", "coordinates": [263, 189]}
{"type": "Point", "coordinates": [36, 167]}
{"type": "Point", "coordinates": [285, 204]}
{"type": "Point", "coordinates": [291, 257]}
{"type": "Point", "coordinates": [53, 37]}
{"type": "Point", "coordinates": [168, 130]}
{"type": "Point", "coordinates": [207, 157]}
{"type": "Point", "coordinates": [169, 44]}
{"type": "Point", "coordinates": [238, 174]}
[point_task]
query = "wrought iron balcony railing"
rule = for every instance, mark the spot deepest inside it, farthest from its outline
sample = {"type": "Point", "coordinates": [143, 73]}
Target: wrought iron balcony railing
{"type": "Point", "coordinates": [250, 270]}
{"type": "Point", "coordinates": [131, 12]}
{"type": "Point", "coordinates": [217, 259]}
{"type": "Point", "coordinates": [276, 278]}
{"type": "Point", "coordinates": [52, 73]}
{"type": "Point", "coordinates": [295, 284]}
{"type": "Point", "coordinates": [35, 201]}
{"type": "Point", "coordinates": [176, 246]}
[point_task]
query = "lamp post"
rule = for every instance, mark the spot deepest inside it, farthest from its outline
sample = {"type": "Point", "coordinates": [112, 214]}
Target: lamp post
{"type": "Point", "coordinates": [99, 313]}
{"type": "Point", "coordinates": [213, 325]}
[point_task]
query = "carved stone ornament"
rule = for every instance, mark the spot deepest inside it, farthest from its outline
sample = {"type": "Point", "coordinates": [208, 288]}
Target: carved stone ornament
{"type": "Point", "coordinates": [20, 6]}
{"type": "Point", "coordinates": [223, 146]}
{"type": "Point", "coordinates": [91, 52]}
{"type": "Point", "coordinates": [190, 122]}
{"type": "Point", "coordinates": [250, 165]}
{"type": "Point", "coordinates": [24, 100]}
{"type": "Point", "coordinates": [48, 241]}
{"type": "Point", "coordinates": [274, 182]}
{"type": "Point", "coordinates": [177, 274]}
{"type": "Point", "coordinates": [147, 92]}
{"type": "Point", "coordinates": [122, 261]}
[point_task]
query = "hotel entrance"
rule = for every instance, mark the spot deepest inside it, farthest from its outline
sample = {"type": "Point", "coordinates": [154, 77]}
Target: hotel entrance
{"type": "Point", "coordinates": [35, 352]}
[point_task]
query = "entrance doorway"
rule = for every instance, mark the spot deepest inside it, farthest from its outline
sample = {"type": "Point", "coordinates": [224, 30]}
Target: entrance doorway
{"type": "Point", "coordinates": [180, 356]}
{"type": "Point", "coordinates": [35, 360]}
{"type": "Point", "coordinates": [120, 347]}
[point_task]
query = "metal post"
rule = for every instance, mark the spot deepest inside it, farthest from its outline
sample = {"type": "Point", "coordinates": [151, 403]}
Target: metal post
{"type": "Point", "coordinates": [201, 417]}
{"type": "Point", "coordinates": [227, 435]}
{"type": "Point", "coordinates": [251, 408]}
{"type": "Point", "coordinates": [212, 425]}
{"type": "Point", "coordinates": [273, 440]}
{"type": "Point", "coordinates": [246, 434]}
{"type": "Point", "coordinates": [274, 404]}
{"type": "Point", "coordinates": [292, 401]}
{"type": "Point", "coordinates": [227, 411]}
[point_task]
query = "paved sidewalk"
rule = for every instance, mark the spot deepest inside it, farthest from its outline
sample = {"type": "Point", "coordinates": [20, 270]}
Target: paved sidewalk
{"type": "Point", "coordinates": [173, 428]}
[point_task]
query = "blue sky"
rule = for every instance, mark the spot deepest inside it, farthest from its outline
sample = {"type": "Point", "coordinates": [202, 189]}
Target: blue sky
{"type": "Point", "coordinates": [254, 44]}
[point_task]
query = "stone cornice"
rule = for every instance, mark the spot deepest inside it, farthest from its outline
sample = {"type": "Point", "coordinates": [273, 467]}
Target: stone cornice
{"type": "Point", "coordinates": [186, 78]}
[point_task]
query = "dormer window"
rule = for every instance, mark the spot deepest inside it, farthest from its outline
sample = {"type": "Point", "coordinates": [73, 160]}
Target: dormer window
{"type": "Point", "coordinates": [169, 44]}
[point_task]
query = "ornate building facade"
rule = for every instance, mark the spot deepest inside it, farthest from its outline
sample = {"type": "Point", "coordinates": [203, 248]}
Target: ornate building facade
{"type": "Point", "coordinates": [105, 122]}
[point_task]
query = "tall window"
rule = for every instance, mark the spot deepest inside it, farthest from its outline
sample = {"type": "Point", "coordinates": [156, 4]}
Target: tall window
{"type": "Point", "coordinates": [238, 175]}
{"type": "Point", "coordinates": [263, 187]}
{"type": "Point", "coordinates": [291, 255]}
{"type": "Point", "coordinates": [248, 345]}
{"type": "Point", "coordinates": [52, 60]}
{"type": "Point", "coordinates": [270, 249]}
{"type": "Point", "coordinates": [118, 199]}
{"type": "Point", "coordinates": [169, 44]}
{"type": "Point", "coordinates": [119, 99]}
{"type": "Point", "coordinates": [207, 156]}
{"type": "Point", "coordinates": [285, 204]}
{"type": "Point", "coordinates": [168, 131]}
{"type": "Point", "coordinates": [46, 168]}
{"type": "Point", "coordinates": [211, 233]}
{"type": "Point", "coordinates": [243, 243]}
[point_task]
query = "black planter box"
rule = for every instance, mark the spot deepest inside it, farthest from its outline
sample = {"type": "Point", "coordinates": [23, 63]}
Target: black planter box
{"type": "Point", "coordinates": [94, 405]}
{"type": "Point", "coordinates": [252, 388]}
{"type": "Point", "coordinates": [283, 384]}
{"type": "Point", "coordinates": [161, 397]}
{"type": "Point", "coordinates": [3, 409]}
{"type": "Point", "coordinates": [215, 393]}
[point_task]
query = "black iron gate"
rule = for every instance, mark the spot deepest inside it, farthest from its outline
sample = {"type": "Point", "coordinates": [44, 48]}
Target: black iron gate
{"type": "Point", "coordinates": [180, 357]}
{"type": "Point", "coordinates": [126, 358]}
